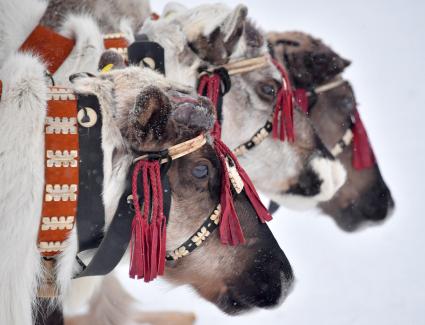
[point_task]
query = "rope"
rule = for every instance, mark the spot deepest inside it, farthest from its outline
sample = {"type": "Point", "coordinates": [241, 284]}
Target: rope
{"type": "Point", "coordinates": [147, 248]}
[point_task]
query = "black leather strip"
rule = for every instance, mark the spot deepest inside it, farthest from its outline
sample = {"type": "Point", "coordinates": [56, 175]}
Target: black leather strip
{"type": "Point", "coordinates": [116, 239]}
{"type": "Point", "coordinates": [198, 237]}
{"type": "Point", "coordinates": [90, 211]}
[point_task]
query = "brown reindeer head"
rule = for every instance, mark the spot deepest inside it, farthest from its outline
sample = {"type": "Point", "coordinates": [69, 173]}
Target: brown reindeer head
{"type": "Point", "coordinates": [309, 62]}
{"type": "Point", "coordinates": [364, 198]}
{"type": "Point", "coordinates": [143, 111]}
{"type": "Point", "coordinates": [300, 173]}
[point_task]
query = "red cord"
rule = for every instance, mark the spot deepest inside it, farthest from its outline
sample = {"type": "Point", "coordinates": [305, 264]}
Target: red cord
{"type": "Point", "coordinates": [210, 85]}
{"type": "Point", "coordinates": [147, 249]}
{"type": "Point", "coordinates": [283, 117]}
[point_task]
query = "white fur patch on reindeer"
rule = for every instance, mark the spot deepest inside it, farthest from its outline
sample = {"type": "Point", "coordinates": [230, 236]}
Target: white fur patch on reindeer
{"type": "Point", "coordinates": [60, 158]}
{"type": "Point", "coordinates": [61, 192]}
{"type": "Point", "coordinates": [55, 223]}
{"type": "Point", "coordinates": [333, 175]}
{"type": "Point", "coordinates": [64, 125]}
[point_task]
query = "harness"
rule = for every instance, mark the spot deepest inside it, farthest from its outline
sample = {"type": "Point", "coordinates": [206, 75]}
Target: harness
{"type": "Point", "coordinates": [215, 83]}
{"type": "Point", "coordinates": [73, 194]}
{"type": "Point", "coordinates": [74, 182]}
{"type": "Point", "coordinates": [363, 156]}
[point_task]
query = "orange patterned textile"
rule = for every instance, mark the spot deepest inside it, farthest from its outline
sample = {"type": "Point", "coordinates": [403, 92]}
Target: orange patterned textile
{"type": "Point", "coordinates": [60, 196]}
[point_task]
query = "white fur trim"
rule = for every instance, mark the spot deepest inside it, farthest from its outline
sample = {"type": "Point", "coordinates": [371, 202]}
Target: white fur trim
{"type": "Point", "coordinates": [87, 50]}
{"type": "Point", "coordinates": [23, 110]}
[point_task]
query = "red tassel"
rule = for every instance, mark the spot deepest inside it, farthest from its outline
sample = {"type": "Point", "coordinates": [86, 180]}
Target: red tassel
{"type": "Point", "coordinates": [230, 229]}
{"type": "Point", "coordinates": [161, 224]}
{"type": "Point", "coordinates": [301, 99]}
{"type": "Point", "coordinates": [147, 249]}
{"type": "Point", "coordinates": [363, 156]}
{"type": "Point", "coordinates": [251, 192]}
{"type": "Point", "coordinates": [283, 116]}
{"type": "Point", "coordinates": [209, 86]}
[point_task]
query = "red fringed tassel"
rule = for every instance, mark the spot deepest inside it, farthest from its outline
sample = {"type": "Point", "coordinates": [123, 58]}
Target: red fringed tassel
{"type": "Point", "coordinates": [209, 86]}
{"type": "Point", "coordinates": [301, 99]}
{"type": "Point", "coordinates": [230, 229]}
{"type": "Point", "coordinates": [283, 118]}
{"type": "Point", "coordinates": [147, 248]}
{"type": "Point", "coordinates": [363, 156]}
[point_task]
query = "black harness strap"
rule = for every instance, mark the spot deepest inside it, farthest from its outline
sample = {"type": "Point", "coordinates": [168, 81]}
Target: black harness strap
{"type": "Point", "coordinates": [116, 240]}
{"type": "Point", "coordinates": [90, 210]}
{"type": "Point", "coordinates": [225, 86]}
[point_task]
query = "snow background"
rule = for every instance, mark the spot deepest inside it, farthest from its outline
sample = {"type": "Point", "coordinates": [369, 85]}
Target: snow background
{"type": "Point", "coordinates": [375, 276]}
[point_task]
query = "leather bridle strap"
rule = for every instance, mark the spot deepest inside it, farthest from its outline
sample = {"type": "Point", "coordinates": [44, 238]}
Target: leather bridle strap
{"type": "Point", "coordinates": [263, 132]}
{"type": "Point", "coordinates": [256, 139]}
{"type": "Point", "coordinates": [347, 138]}
{"type": "Point", "coordinates": [336, 82]}
{"type": "Point", "coordinates": [198, 237]}
{"type": "Point", "coordinates": [91, 213]}
{"type": "Point", "coordinates": [73, 176]}
{"type": "Point", "coordinates": [243, 65]}
{"type": "Point", "coordinates": [115, 242]}
{"type": "Point", "coordinates": [343, 143]}
{"type": "Point", "coordinates": [179, 150]}
{"type": "Point", "coordinates": [239, 67]}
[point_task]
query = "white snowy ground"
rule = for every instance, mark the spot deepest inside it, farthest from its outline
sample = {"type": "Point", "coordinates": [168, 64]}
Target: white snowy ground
{"type": "Point", "coordinates": [376, 276]}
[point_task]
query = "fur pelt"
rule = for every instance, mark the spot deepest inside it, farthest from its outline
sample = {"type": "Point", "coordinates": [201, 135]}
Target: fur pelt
{"type": "Point", "coordinates": [22, 116]}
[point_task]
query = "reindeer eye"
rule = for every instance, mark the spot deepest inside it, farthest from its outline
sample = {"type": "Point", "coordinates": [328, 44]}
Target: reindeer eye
{"type": "Point", "coordinates": [267, 91]}
{"type": "Point", "coordinates": [200, 171]}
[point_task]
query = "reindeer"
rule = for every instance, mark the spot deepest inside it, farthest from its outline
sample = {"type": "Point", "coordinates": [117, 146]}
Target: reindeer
{"type": "Point", "coordinates": [140, 111]}
{"type": "Point", "coordinates": [299, 173]}
{"type": "Point", "coordinates": [313, 66]}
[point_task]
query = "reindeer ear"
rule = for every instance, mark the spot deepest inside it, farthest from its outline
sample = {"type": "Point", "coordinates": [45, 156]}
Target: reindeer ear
{"type": "Point", "coordinates": [218, 45]}
{"type": "Point", "coordinates": [233, 26]}
{"type": "Point", "coordinates": [150, 113]}
{"type": "Point", "coordinates": [111, 57]}
{"type": "Point", "coordinates": [172, 8]}
{"type": "Point", "coordinates": [85, 83]}
{"type": "Point", "coordinates": [324, 62]}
